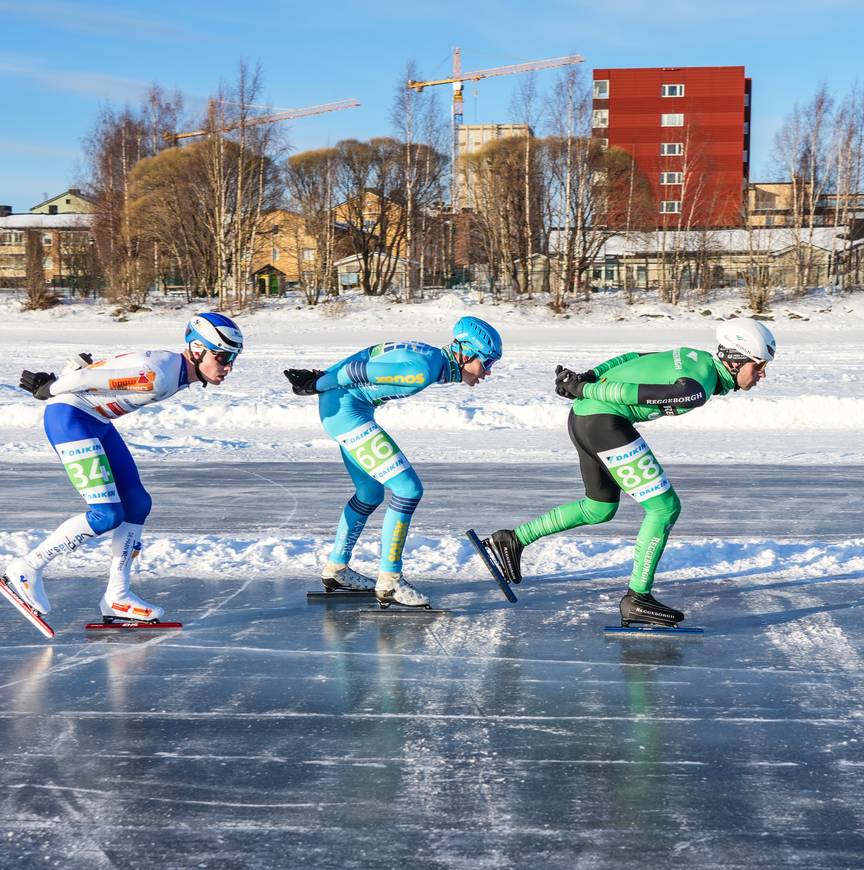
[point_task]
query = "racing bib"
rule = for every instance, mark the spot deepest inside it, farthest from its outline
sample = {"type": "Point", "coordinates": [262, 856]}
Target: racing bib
{"type": "Point", "coordinates": [374, 451]}
{"type": "Point", "coordinates": [635, 469]}
{"type": "Point", "coordinates": [89, 470]}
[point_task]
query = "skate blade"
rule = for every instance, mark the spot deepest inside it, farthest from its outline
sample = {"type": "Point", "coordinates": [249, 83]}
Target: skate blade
{"type": "Point", "coordinates": [402, 610]}
{"type": "Point", "coordinates": [491, 567]}
{"type": "Point", "coordinates": [340, 595]}
{"type": "Point", "coordinates": [117, 624]}
{"type": "Point", "coordinates": [645, 630]}
{"type": "Point", "coordinates": [32, 616]}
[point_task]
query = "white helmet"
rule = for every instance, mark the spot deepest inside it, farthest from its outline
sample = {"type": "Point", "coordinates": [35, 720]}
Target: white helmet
{"type": "Point", "coordinates": [743, 339]}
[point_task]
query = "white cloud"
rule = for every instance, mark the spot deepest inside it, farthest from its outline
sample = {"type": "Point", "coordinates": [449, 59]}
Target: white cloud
{"type": "Point", "coordinates": [92, 18]}
{"type": "Point", "coordinates": [82, 82]}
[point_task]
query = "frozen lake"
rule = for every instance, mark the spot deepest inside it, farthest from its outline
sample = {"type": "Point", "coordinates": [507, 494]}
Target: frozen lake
{"type": "Point", "coordinates": [275, 733]}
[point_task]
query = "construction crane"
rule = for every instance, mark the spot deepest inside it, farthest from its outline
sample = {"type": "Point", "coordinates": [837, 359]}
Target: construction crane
{"type": "Point", "coordinates": [459, 77]}
{"type": "Point", "coordinates": [287, 115]}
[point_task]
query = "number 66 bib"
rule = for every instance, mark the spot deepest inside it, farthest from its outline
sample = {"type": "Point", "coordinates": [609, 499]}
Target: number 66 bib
{"type": "Point", "coordinates": [374, 451]}
{"type": "Point", "coordinates": [635, 470]}
{"type": "Point", "coordinates": [89, 470]}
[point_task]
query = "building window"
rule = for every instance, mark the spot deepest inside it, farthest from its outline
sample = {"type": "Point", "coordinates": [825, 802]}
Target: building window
{"type": "Point", "coordinates": [52, 209]}
{"type": "Point", "coordinates": [47, 240]}
{"type": "Point", "coordinates": [308, 255]}
{"type": "Point", "coordinates": [671, 149]}
{"type": "Point", "coordinates": [671, 90]}
{"type": "Point", "coordinates": [676, 120]}
{"type": "Point", "coordinates": [671, 178]}
{"type": "Point", "coordinates": [600, 118]}
{"type": "Point", "coordinates": [746, 156]}
{"type": "Point", "coordinates": [746, 127]}
{"type": "Point", "coordinates": [670, 206]}
{"type": "Point", "coordinates": [601, 89]}
{"type": "Point", "coordinates": [603, 143]}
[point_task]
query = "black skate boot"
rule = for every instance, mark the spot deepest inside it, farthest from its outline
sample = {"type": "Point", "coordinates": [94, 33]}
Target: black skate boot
{"type": "Point", "coordinates": [507, 550]}
{"type": "Point", "coordinates": [644, 607]}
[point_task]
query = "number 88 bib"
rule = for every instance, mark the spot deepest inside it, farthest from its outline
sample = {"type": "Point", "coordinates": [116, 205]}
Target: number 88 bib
{"type": "Point", "coordinates": [636, 470]}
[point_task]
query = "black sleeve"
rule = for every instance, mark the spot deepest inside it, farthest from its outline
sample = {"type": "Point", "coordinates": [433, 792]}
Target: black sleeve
{"type": "Point", "coordinates": [684, 393]}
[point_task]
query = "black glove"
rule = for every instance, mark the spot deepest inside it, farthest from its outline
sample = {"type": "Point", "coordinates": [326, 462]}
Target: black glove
{"type": "Point", "coordinates": [570, 384]}
{"type": "Point", "coordinates": [37, 383]}
{"type": "Point", "coordinates": [303, 380]}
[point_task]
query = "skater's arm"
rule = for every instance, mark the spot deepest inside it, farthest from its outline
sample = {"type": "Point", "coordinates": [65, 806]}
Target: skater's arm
{"type": "Point", "coordinates": [683, 393]}
{"type": "Point", "coordinates": [112, 377]}
{"type": "Point", "coordinates": [358, 373]}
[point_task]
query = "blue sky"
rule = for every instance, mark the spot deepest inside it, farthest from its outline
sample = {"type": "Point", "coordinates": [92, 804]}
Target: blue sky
{"type": "Point", "coordinates": [60, 61]}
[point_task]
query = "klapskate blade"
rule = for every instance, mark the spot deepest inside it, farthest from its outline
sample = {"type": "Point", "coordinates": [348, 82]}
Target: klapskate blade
{"type": "Point", "coordinates": [396, 610]}
{"type": "Point", "coordinates": [491, 567]}
{"type": "Point", "coordinates": [25, 610]}
{"type": "Point", "coordinates": [342, 595]}
{"type": "Point", "coordinates": [133, 626]}
{"type": "Point", "coordinates": [653, 630]}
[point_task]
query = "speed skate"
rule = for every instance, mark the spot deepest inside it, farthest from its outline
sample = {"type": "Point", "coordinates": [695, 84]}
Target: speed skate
{"type": "Point", "coordinates": [31, 615]}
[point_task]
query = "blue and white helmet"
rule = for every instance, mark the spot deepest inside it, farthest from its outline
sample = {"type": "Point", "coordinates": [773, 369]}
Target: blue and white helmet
{"type": "Point", "coordinates": [214, 332]}
{"type": "Point", "coordinates": [473, 337]}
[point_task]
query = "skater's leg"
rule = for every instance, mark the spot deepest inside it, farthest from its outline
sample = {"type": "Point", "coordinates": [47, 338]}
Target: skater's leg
{"type": "Point", "coordinates": [391, 587]}
{"type": "Point", "coordinates": [599, 505]}
{"type": "Point", "coordinates": [661, 512]}
{"type": "Point", "coordinates": [406, 490]}
{"type": "Point", "coordinates": [585, 512]}
{"type": "Point", "coordinates": [119, 600]}
{"type": "Point", "coordinates": [77, 439]}
{"type": "Point", "coordinates": [368, 494]}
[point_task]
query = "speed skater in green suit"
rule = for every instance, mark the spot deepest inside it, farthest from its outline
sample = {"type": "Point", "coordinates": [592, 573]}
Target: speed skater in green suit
{"type": "Point", "coordinates": [614, 458]}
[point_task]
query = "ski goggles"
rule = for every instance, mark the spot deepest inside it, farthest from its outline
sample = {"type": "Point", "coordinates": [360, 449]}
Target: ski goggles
{"type": "Point", "coordinates": [224, 357]}
{"type": "Point", "coordinates": [487, 363]}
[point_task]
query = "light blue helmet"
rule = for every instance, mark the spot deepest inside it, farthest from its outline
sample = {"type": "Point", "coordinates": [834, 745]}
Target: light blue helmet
{"type": "Point", "coordinates": [215, 332]}
{"type": "Point", "coordinates": [473, 337]}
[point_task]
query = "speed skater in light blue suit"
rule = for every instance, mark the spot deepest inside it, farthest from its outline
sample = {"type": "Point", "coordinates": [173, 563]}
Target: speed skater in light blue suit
{"type": "Point", "coordinates": [348, 394]}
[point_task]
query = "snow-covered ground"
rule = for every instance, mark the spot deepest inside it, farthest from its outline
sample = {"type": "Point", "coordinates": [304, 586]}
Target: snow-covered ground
{"type": "Point", "coordinates": [809, 410]}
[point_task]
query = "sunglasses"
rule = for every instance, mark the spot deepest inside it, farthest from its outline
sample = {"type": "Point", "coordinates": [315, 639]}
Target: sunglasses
{"type": "Point", "coordinates": [224, 357]}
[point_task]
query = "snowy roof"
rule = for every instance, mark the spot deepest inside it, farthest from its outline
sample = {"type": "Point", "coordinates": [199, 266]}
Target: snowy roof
{"type": "Point", "coordinates": [46, 222]}
{"type": "Point", "coordinates": [767, 240]}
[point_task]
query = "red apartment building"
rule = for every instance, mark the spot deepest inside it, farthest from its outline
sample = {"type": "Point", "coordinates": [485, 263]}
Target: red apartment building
{"type": "Point", "coordinates": [688, 128]}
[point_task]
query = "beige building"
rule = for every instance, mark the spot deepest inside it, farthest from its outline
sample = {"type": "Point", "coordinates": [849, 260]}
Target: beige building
{"type": "Point", "coordinates": [66, 246]}
{"type": "Point", "coordinates": [770, 204]}
{"type": "Point", "coordinates": [470, 138]}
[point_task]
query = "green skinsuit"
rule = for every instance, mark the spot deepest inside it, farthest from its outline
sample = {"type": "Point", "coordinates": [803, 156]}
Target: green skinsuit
{"type": "Point", "coordinates": [613, 456]}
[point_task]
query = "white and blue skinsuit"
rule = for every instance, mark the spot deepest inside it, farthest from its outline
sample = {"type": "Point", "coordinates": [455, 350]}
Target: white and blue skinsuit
{"type": "Point", "coordinates": [78, 425]}
{"type": "Point", "coordinates": [349, 392]}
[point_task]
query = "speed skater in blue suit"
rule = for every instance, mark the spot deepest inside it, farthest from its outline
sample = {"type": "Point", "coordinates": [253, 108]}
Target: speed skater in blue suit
{"type": "Point", "coordinates": [348, 394]}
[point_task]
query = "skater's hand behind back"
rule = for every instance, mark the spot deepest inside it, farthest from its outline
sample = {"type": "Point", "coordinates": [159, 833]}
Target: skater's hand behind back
{"type": "Point", "coordinates": [568, 383]}
{"type": "Point", "coordinates": [37, 383]}
{"type": "Point", "coordinates": [303, 380]}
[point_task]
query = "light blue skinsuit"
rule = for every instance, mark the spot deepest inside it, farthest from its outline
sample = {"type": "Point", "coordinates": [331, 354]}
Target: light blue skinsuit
{"type": "Point", "coordinates": [350, 391]}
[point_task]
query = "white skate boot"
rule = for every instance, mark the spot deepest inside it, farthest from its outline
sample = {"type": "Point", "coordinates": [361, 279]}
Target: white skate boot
{"type": "Point", "coordinates": [27, 584]}
{"type": "Point", "coordinates": [127, 605]}
{"type": "Point", "coordinates": [341, 578]}
{"type": "Point", "coordinates": [393, 588]}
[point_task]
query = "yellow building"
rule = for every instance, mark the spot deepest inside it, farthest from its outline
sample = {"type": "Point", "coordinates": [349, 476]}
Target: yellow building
{"type": "Point", "coordinates": [286, 253]}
